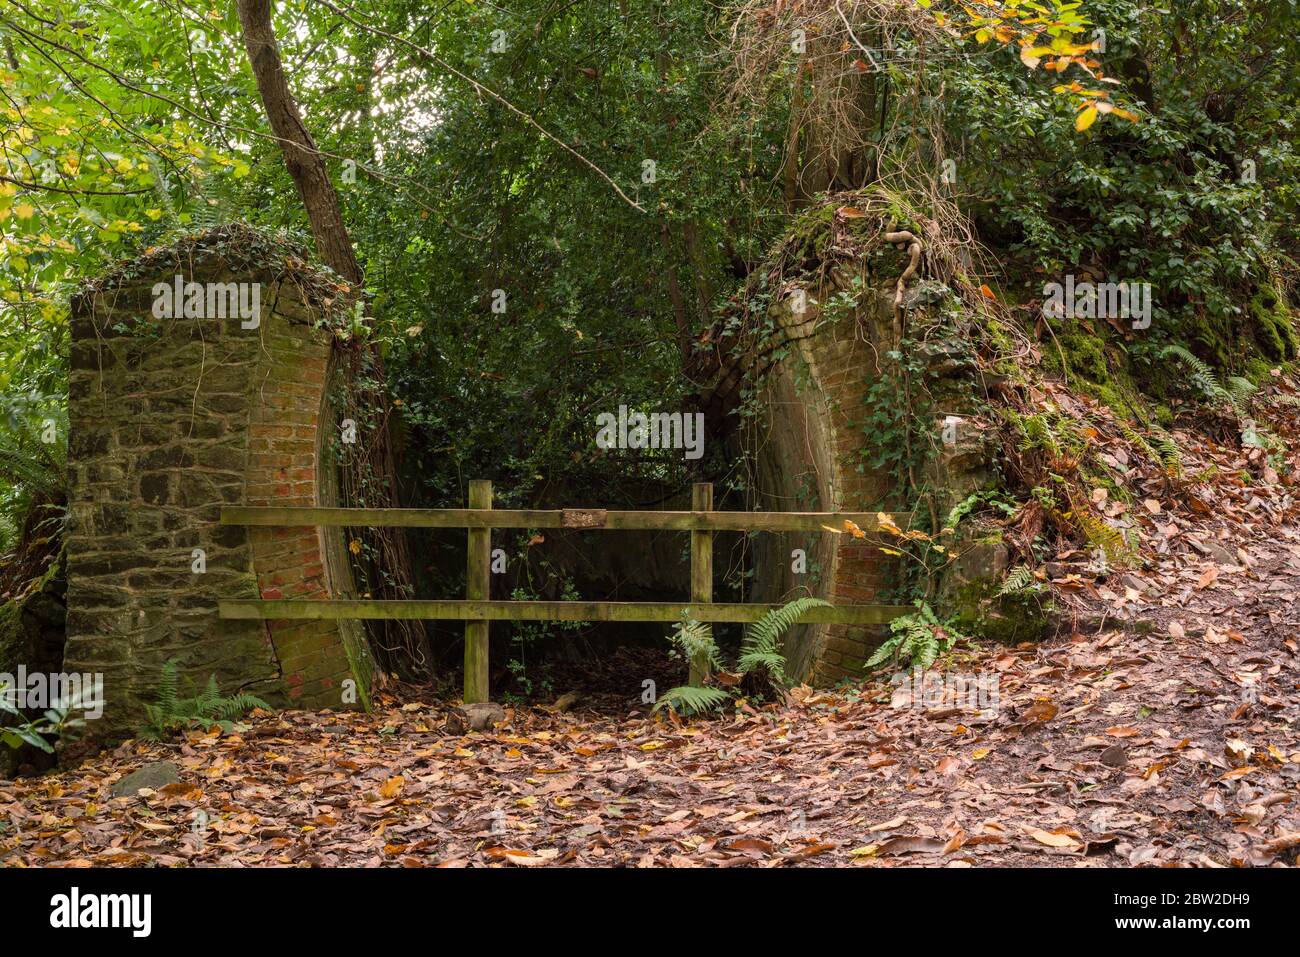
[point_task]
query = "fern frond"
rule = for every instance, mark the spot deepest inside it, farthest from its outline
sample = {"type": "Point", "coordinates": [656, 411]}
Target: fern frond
{"type": "Point", "coordinates": [1171, 456]}
{"type": "Point", "coordinates": [694, 640]}
{"type": "Point", "coordinates": [228, 709]}
{"type": "Point", "coordinates": [1241, 390]}
{"type": "Point", "coordinates": [1111, 542]}
{"type": "Point", "coordinates": [1018, 579]}
{"type": "Point", "coordinates": [761, 645]}
{"type": "Point", "coordinates": [168, 688]}
{"type": "Point", "coordinates": [207, 699]}
{"type": "Point", "coordinates": [1209, 383]}
{"type": "Point", "coordinates": [688, 701]}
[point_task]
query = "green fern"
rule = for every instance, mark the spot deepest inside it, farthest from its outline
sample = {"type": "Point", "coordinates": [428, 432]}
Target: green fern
{"type": "Point", "coordinates": [169, 687]}
{"type": "Point", "coordinates": [1019, 579]}
{"type": "Point", "coordinates": [1112, 543]}
{"type": "Point", "coordinates": [761, 646]}
{"type": "Point", "coordinates": [688, 700]}
{"type": "Point", "coordinates": [1242, 390]}
{"type": "Point", "coordinates": [1160, 449]}
{"type": "Point", "coordinates": [171, 713]}
{"type": "Point", "coordinates": [1201, 372]}
{"type": "Point", "coordinates": [694, 640]}
{"type": "Point", "coordinates": [1171, 456]}
{"type": "Point", "coordinates": [1237, 394]}
{"type": "Point", "coordinates": [759, 652]}
{"type": "Point", "coordinates": [919, 637]}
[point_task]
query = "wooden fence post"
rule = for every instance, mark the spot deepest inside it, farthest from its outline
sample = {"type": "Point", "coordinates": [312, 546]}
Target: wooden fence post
{"type": "Point", "coordinates": [701, 568]}
{"type": "Point", "coordinates": [477, 588]}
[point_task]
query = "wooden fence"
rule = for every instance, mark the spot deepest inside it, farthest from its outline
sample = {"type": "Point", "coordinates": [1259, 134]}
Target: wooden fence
{"type": "Point", "coordinates": [477, 609]}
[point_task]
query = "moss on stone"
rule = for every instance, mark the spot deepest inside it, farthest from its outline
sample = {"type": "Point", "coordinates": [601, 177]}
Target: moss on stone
{"type": "Point", "coordinates": [1274, 329]}
{"type": "Point", "coordinates": [11, 635]}
{"type": "Point", "coordinates": [975, 608]}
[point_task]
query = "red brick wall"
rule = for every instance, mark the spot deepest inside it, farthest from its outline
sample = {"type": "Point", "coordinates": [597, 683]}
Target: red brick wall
{"type": "Point", "coordinates": [283, 460]}
{"type": "Point", "coordinates": [812, 438]}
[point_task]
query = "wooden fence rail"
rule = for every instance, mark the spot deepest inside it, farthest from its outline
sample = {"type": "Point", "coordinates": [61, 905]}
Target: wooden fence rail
{"type": "Point", "coordinates": [477, 610]}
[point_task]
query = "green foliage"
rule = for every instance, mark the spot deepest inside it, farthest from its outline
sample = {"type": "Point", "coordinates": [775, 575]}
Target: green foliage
{"type": "Point", "coordinates": [171, 713]}
{"type": "Point", "coordinates": [1199, 199]}
{"type": "Point", "coordinates": [41, 732]}
{"type": "Point", "coordinates": [1019, 579]}
{"type": "Point", "coordinates": [918, 638]}
{"type": "Point", "coordinates": [33, 469]}
{"type": "Point", "coordinates": [760, 654]}
{"type": "Point", "coordinates": [760, 648]}
{"type": "Point", "coordinates": [1202, 374]}
{"type": "Point", "coordinates": [1159, 447]}
{"type": "Point", "coordinates": [994, 499]}
{"type": "Point", "coordinates": [896, 414]}
{"type": "Point", "coordinates": [1114, 547]}
{"type": "Point", "coordinates": [688, 700]}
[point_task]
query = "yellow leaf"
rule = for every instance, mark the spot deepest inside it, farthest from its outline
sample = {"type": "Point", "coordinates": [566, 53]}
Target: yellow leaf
{"type": "Point", "coordinates": [886, 524]}
{"type": "Point", "coordinates": [1086, 119]}
{"type": "Point", "coordinates": [354, 546]}
{"type": "Point", "coordinates": [889, 551]}
{"type": "Point", "coordinates": [24, 210]}
{"type": "Point", "coordinates": [981, 753]}
{"type": "Point", "coordinates": [853, 529]}
{"type": "Point", "coordinates": [392, 787]}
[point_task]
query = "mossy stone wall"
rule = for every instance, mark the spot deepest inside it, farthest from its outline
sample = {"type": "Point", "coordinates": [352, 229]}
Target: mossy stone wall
{"type": "Point", "coordinates": [171, 419]}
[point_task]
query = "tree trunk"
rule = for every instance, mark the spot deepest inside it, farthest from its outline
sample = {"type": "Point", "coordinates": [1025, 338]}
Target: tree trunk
{"type": "Point", "coordinates": [306, 165]}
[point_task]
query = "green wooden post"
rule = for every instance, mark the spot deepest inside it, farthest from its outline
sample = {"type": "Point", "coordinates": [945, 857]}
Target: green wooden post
{"type": "Point", "coordinates": [701, 568]}
{"type": "Point", "coordinates": [477, 588]}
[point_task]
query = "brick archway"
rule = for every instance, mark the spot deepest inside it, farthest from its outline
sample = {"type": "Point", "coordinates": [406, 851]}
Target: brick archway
{"type": "Point", "coordinates": [805, 450]}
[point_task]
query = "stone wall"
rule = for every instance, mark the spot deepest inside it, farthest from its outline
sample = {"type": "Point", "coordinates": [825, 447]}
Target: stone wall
{"type": "Point", "coordinates": [171, 418]}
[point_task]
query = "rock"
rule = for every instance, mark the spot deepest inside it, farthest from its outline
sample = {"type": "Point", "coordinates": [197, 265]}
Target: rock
{"type": "Point", "coordinates": [1114, 757]}
{"type": "Point", "coordinates": [1214, 550]}
{"type": "Point", "coordinates": [155, 775]}
{"type": "Point", "coordinates": [482, 716]}
{"type": "Point", "coordinates": [1137, 584]}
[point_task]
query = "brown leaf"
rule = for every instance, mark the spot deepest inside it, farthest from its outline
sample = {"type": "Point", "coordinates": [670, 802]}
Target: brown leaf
{"type": "Point", "coordinates": [1040, 712]}
{"type": "Point", "coordinates": [1061, 837]}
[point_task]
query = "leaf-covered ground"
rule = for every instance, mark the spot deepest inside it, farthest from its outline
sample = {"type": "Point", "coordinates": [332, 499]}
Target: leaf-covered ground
{"type": "Point", "coordinates": [1159, 727]}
